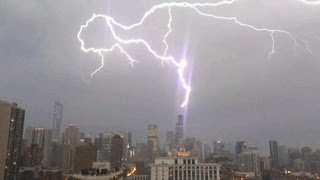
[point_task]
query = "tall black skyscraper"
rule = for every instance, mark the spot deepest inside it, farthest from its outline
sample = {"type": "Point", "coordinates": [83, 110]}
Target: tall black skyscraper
{"type": "Point", "coordinates": [116, 152]}
{"type": "Point", "coordinates": [57, 121]}
{"type": "Point", "coordinates": [11, 130]}
{"type": "Point", "coordinates": [274, 153]}
{"type": "Point", "coordinates": [179, 130]}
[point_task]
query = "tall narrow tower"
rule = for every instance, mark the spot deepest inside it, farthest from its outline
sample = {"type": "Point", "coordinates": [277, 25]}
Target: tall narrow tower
{"type": "Point", "coordinates": [179, 131]}
{"type": "Point", "coordinates": [274, 153]}
{"type": "Point", "coordinates": [152, 141]}
{"type": "Point", "coordinates": [116, 152]}
{"type": "Point", "coordinates": [57, 121]}
{"type": "Point", "coordinates": [11, 129]}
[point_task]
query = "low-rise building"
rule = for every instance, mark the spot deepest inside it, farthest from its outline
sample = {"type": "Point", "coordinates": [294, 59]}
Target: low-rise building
{"type": "Point", "coordinates": [183, 168]}
{"type": "Point", "coordinates": [110, 176]}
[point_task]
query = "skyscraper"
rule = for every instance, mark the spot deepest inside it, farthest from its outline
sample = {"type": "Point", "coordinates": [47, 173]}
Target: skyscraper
{"type": "Point", "coordinates": [42, 137]}
{"type": "Point", "coordinates": [85, 156]}
{"type": "Point", "coordinates": [283, 156]}
{"type": "Point", "coordinates": [153, 141]}
{"type": "Point", "coordinates": [249, 161]}
{"type": "Point", "coordinates": [274, 153]}
{"type": "Point", "coordinates": [11, 129]}
{"type": "Point", "coordinates": [179, 131]}
{"type": "Point", "coordinates": [169, 140]}
{"type": "Point", "coordinates": [241, 146]}
{"type": "Point", "coordinates": [116, 152]}
{"type": "Point", "coordinates": [104, 146]}
{"type": "Point", "coordinates": [218, 147]}
{"type": "Point", "coordinates": [69, 143]}
{"type": "Point", "coordinates": [125, 144]}
{"type": "Point", "coordinates": [57, 121]}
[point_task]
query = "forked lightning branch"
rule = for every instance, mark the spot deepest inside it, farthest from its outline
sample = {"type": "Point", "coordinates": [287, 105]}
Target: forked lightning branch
{"type": "Point", "coordinates": [179, 64]}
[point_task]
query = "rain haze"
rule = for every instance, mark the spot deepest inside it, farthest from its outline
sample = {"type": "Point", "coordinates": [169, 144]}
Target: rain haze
{"type": "Point", "coordinates": [238, 93]}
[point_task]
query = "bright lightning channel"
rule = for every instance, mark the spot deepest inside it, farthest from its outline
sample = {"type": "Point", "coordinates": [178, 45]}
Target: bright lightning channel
{"type": "Point", "coordinates": [182, 64]}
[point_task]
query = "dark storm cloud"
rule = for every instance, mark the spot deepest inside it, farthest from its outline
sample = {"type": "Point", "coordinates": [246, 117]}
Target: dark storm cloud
{"type": "Point", "coordinates": [237, 92]}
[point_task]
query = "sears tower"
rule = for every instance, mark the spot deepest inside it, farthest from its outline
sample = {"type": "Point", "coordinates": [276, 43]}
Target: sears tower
{"type": "Point", "coordinates": [57, 120]}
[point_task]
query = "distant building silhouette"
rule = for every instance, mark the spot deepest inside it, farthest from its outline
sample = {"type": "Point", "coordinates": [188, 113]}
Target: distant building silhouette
{"type": "Point", "coordinates": [57, 121]}
{"type": "Point", "coordinates": [169, 141]}
{"type": "Point", "coordinates": [283, 156]}
{"type": "Point", "coordinates": [218, 147]}
{"type": "Point", "coordinates": [240, 147]}
{"type": "Point", "coordinates": [11, 131]}
{"type": "Point", "coordinates": [274, 153]}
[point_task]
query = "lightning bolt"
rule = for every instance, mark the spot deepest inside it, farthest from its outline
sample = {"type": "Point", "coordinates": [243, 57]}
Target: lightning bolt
{"type": "Point", "coordinates": [180, 65]}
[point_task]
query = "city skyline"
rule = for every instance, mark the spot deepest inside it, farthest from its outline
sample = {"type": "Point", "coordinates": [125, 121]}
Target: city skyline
{"type": "Point", "coordinates": [114, 154]}
{"type": "Point", "coordinates": [238, 94]}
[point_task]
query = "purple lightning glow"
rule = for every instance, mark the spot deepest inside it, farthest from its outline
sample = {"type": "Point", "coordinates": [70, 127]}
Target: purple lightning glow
{"type": "Point", "coordinates": [182, 64]}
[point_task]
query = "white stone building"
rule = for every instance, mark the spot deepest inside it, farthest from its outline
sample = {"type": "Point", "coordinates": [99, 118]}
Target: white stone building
{"type": "Point", "coordinates": [183, 168]}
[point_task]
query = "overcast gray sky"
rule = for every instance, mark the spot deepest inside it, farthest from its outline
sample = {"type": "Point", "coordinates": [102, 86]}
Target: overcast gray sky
{"type": "Point", "coordinates": [237, 92]}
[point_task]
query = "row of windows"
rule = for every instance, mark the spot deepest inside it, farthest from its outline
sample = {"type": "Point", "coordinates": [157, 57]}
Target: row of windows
{"type": "Point", "coordinates": [187, 167]}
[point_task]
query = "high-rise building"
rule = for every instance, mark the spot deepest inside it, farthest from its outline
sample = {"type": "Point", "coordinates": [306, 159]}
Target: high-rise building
{"type": "Point", "coordinates": [170, 138]}
{"type": "Point", "coordinates": [69, 143]}
{"type": "Point", "coordinates": [32, 156]}
{"type": "Point", "coordinates": [56, 155]}
{"type": "Point", "coordinates": [178, 168]}
{"type": "Point", "coordinates": [104, 145]}
{"type": "Point", "coordinates": [283, 156]}
{"type": "Point", "coordinates": [265, 163]}
{"type": "Point", "coordinates": [42, 137]}
{"type": "Point", "coordinates": [28, 135]}
{"type": "Point", "coordinates": [57, 121]}
{"type": "Point", "coordinates": [153, 141]}
{"type": "Point", "coordinates": [116, 152]}
{"type": "Point", "coordinates": [141, 150]}
{"type": "Point", "coordinates": [125, 144]}
{"type": "Point", "coordinates": [240, 147]}
{"type": "Point", "coordinates": [218, 147]}
{"type": "Point", "coordinates": [87, 139]}
{"type": "Point", "coordinates": [85, 155]}
{"type": "Point", "coordinates": [294, 154]}
{"type": "Point", "coordinates": [82, 135]}
{"type": "Point", "coordinates": [206, 150]}
{"type": "Point", "coordinates": [130, 139]}
{"type": "Point", "coordinates": [11, 131]}
{"type": "Point", "coordinates": [306, 153]}
{"type": "Point", "coordinates": [249, 161]}
{"type": "Point", "coordinates": [274, 153]}
{"type": "Point", "coordinates": [179, 131]}
{"type": "Point", "coordinates": [169, 141]}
